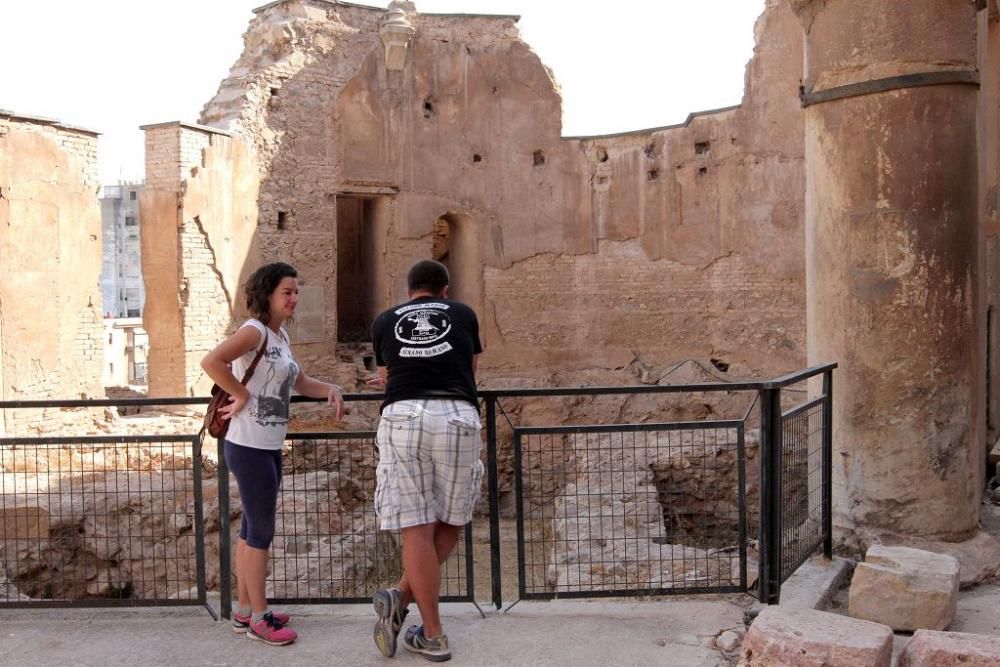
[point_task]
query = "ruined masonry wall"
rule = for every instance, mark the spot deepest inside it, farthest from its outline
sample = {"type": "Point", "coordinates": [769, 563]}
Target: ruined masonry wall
{"type": "Point", "coordinates": [664, 244]}
{"type": "Point", "coordinates": [199, 220]}
{"type": "Point", "coordinates": [206, 312]}
{"type": "Point", "coordinates": [49, 348]}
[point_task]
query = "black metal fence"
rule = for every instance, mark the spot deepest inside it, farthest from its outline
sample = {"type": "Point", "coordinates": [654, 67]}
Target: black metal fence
{"type": "Point", "coordinates": [101, 521]}
{"type": "Point", "coordinates": [630, 509]}
{"type": "Point", "coordinates": [599, 509]}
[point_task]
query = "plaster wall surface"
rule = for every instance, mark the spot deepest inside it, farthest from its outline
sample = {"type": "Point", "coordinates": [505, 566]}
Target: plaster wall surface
{"type": "Point", "coordinates": [50, 241]}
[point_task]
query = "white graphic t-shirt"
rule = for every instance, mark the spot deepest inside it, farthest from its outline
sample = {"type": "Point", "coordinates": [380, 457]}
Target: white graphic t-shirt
{"type": "Point", "coordinates": [263, 421]}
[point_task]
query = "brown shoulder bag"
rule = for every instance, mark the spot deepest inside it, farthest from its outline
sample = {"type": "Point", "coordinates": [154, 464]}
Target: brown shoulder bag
{"type": "Point", "coordinates": [215, 423]}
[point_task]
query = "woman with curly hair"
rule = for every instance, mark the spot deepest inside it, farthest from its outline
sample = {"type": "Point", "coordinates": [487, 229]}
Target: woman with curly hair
{"type": "Point", "coordinates": [258, 422]}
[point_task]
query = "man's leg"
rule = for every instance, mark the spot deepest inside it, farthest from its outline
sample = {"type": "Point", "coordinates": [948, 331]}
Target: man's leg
{"type": "Point", "coordinates": [445, 539]}
{"type": "Point", "coordinates": [422, 566]}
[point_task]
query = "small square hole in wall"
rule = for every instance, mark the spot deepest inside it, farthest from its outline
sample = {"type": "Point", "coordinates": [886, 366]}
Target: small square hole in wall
{"type": "Point", "coordinates": [652, 174]}
{"type": "Point", "coordinates": [538, 158]}
{"type": "Point", "coordinates": [429, 109]}
{"type": "Point", "coordinates": [702, 148]}
{"type": "Point", "coordinates": [602, 154]}
{"type": "Point", "coordinates": [282, 219]}
{"type": "Point", "coordinates": [477, 158]}
{"type": "Point", "coordinates": [702, 171]}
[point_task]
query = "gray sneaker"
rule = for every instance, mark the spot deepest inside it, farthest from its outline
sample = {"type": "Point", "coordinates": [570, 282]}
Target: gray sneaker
{"type": "Point", "coordinates": [388, 603]}
{"type": "Point", "coordinates": [434, 649]}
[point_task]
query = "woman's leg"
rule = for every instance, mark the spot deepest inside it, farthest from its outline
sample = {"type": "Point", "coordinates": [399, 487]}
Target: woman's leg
{"type": "Point", "coordinates": [255, 574]}
{"type": "Point", "coordinates": [258, 474]}
{"type": "Point", "coordinates": [241, 583]}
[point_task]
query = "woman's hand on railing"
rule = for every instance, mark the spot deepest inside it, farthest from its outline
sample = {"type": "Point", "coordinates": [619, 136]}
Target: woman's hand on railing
{"type": "Point", "coordinates": [335, 399]}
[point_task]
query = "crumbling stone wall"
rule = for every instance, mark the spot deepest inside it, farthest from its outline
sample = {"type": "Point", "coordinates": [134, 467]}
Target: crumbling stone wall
{"type": "Point", "coordinates": [580, 254]}
{"type": "Point", "coordinates": [199, 218]}
{"type": "Point", "coordinates": [50, 240]}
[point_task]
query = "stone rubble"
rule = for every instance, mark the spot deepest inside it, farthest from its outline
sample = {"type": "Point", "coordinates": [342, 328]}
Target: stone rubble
{"type": "Point", "coordinates": [810, 638]}
{"type": "Point", "coordinates": [906, 589]}
{"type": "Point", "coordinates": [929, 648]}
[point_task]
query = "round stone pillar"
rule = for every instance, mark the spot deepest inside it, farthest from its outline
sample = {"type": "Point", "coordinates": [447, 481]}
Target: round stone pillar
{"type": "Point", "coordinates": [892, 270]}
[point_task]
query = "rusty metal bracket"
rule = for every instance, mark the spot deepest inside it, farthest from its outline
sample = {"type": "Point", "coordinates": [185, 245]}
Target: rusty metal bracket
{"type": "Point", "coordinates": [961, 77]}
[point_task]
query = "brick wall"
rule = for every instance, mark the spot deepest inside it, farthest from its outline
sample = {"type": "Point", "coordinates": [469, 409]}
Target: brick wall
{"type": "Point", "coordinates": [172, 150]}
{"type": "Point", "coordinates": [79, 143]}
{"type": "Point", "coordinates": [205, 308]}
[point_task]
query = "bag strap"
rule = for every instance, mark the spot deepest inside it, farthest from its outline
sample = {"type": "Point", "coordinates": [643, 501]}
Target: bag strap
{"type": "Point", "coordinates": [253, 365]}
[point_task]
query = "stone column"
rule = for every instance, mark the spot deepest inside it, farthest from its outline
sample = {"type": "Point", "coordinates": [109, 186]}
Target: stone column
{"type": "Point", "coordinates": [891, 258]}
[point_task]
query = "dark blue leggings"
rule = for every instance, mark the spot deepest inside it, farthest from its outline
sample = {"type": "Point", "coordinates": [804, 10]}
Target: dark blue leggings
{"type": "Point", "coordinates": [258, 476]}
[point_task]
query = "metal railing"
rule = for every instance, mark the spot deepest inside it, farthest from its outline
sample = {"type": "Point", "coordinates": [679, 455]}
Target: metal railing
{"type": "Point", "coordinates": [599, 509]}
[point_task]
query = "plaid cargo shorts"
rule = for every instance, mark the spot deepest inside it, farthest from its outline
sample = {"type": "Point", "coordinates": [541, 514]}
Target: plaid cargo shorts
{"type": "Point", "coordinates": [429, 468]}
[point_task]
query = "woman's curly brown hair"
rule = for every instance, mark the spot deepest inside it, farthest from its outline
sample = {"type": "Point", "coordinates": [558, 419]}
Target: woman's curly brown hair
{"type": "Point", "coordinates": [262, 284]}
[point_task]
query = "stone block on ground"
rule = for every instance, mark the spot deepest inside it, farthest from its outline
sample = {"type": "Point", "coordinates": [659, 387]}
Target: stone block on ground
{"type": "Point", "coordinates": [906, 589]}
{"type": "Point", "coordinates": [930, 648]}
{"type": "Point", "coordinates": [979, 556]}
{"type": "Point", "coordinates": [796, 637]}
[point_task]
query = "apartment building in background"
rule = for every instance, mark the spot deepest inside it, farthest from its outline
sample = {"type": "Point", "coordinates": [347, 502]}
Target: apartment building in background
{"type": "Point", "coordinates": [121, 273]}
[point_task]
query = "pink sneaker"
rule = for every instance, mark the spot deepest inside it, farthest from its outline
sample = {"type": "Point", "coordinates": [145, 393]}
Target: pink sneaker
{"type": "Point", "coordinates": [241, 622]}
{"type": "Point", "coordinates": [270, 631]}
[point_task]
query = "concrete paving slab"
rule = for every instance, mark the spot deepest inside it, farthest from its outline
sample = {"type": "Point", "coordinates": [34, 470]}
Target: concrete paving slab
{"type": "Point", "coordinates": [813, 585]}
{"type": "Point", "coordinates": [670, 631]}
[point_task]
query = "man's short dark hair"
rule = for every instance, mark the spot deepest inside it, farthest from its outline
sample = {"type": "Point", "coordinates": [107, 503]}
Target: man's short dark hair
{"type": "Point", "coordinates": [427, 275]}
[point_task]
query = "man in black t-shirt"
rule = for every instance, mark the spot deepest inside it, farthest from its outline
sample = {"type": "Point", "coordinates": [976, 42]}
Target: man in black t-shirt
{"type": "Point", "coordinates": [429, 472]}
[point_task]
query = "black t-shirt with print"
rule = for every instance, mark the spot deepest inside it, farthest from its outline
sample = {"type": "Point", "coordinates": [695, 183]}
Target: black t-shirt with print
{"type": "Point", "coordinates": [427, 345]}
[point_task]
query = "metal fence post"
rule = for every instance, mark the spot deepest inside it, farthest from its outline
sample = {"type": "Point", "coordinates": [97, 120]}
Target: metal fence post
{"type": "Point", "coordinates": [828, 463]}
{"type": "Point", "coordinates": [494, 496]}
{"type": "Point", "coordinates": [199, 524]}
{"type": "Point", "coordinates": [769, 577]}
{"type": "Point", "coordinates": [225, 539]}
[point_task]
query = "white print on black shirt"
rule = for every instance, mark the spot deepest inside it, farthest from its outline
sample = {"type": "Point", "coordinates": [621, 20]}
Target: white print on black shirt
{"type": "Point", "coordinates": [423, 324]}
{"type": "Point", "coordinates": [425, 351]}
{"type": "Point", "coordinates": [418, 306]}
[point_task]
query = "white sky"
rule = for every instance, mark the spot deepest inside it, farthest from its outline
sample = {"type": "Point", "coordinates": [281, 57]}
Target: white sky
{"type": "Point", "coordinates": [112, 65]}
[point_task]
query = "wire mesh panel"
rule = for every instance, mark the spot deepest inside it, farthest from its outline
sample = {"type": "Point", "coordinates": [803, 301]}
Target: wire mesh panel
{"type": "Point", "coordinates": [801, 484]}
{"type": "Point", "coordinates": [327, 547]}
{"type": "Point", "coordinates": [101, 521]}
{"type": "Point", "coordinates": [630, 509]}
